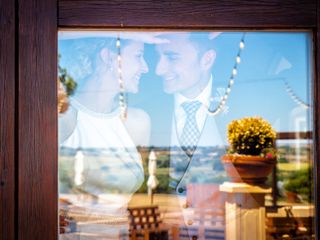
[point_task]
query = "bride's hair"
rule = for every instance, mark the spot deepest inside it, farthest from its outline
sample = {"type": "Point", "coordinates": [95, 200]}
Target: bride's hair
{"type": "Point", "coordinates": [80, 57]}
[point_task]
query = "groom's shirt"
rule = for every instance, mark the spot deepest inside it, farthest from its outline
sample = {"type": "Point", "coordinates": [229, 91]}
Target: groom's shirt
{"type": "Point", "coordinates": [180, 114]}
{"type": "Point", "coordinates": [179, 160]}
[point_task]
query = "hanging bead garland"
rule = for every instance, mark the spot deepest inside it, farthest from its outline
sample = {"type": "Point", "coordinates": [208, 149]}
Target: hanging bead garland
{"type": "Point", "coordinates": [122, 95]}
{"type": "Point", "coordinates": [234, 72]}
{"type": "Point", "coordinates": [294, 97]}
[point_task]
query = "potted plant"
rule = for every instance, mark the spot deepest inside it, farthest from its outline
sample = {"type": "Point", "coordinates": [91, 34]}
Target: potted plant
{"type": "Point", "coordinates": [252, 154]}
{"type": "Point", "coordinates": [66, 88]}
{"type": "Point", "coordinates": [298, 185]}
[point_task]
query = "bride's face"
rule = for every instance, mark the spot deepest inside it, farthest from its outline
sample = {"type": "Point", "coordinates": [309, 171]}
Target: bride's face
{"type": "Point", "coordinates": [133, 65]}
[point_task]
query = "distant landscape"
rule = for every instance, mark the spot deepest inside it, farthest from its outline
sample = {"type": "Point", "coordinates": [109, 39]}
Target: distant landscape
{"type": "Point", "coordinates": [290, 159]}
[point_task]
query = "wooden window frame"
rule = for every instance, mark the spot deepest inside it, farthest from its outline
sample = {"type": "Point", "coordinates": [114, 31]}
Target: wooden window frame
{"type": "Point", "coordinates": [28, 92]}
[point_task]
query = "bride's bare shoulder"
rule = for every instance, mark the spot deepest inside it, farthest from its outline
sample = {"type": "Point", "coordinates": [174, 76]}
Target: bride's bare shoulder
{"type": "Point", "coordinates": [138, 125]}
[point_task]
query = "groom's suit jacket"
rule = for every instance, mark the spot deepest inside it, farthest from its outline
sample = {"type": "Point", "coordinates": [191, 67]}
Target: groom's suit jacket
{"type": "Point", "coordinates": [205, 161]}
{"type": "Point", "coordinates": [201, 172]}
{"type": "Point", "coordinates": [194, 180]}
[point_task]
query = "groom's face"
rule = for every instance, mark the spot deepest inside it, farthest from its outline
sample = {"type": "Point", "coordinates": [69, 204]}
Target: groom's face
{"type": "Point", "coordinates": [179, 64]}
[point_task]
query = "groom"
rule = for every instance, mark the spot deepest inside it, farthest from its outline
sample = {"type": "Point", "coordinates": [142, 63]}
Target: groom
{"type": "Point", "coordinates": [185, 66]}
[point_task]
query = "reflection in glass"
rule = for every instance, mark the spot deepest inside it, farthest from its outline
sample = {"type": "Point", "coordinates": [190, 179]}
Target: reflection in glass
{"type": "Point", "coordinates": [156, 170]}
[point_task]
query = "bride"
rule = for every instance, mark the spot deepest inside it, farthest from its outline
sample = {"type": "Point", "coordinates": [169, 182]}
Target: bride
{"type": "Point", "coordinates": [99, 165]}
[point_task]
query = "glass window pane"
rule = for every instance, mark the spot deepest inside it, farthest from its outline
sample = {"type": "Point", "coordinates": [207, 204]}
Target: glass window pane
{"type": "Point", "coordinates": [149, 145]}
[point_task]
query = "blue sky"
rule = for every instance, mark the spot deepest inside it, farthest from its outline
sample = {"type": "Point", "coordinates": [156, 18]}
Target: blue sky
{"type": "Point", "coordinates": [267, 62]}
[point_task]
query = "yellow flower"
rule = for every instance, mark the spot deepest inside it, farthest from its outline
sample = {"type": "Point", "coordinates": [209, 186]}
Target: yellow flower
{"type": "Point", "coordinates": [250, 135]}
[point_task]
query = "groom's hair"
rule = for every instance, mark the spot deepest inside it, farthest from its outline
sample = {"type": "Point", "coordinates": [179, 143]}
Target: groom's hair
{"type": "Point", "coordinates": [202, 41]}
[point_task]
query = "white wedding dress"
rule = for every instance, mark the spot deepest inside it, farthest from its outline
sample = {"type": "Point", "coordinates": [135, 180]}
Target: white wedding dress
{"type": "Point", "coordinates": [105, 169]}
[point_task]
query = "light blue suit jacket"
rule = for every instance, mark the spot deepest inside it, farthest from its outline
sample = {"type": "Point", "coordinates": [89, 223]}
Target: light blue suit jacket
{"type": "Point", "coordinates": [204, 164]}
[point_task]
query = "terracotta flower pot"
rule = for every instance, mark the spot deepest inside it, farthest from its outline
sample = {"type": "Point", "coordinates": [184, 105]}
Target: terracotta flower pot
{"type": "Point", "coordinates": [246, 168]}
{"type": "Point", "coordinates": [292, 197]}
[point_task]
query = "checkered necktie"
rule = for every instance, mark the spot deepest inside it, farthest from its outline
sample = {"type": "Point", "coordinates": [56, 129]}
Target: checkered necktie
{"type": "Point", "coordinates": [190, 133]}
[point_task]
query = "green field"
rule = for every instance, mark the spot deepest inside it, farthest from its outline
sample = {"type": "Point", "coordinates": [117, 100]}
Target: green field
{"type": "Point", "coordinates": [292, 166]}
